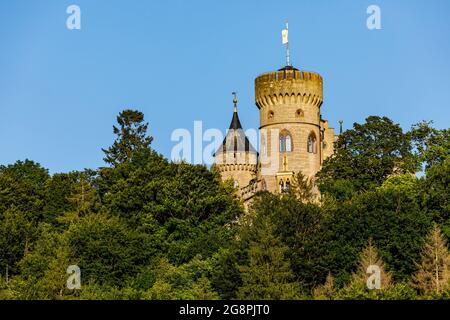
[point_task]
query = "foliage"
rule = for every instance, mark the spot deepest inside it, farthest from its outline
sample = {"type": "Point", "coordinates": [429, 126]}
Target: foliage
{"type": "Point", "coordinates": [131, 137]}
{"type": "Point", "coordinates": [146, 228]}
{"type": "Point", "coordinates": [367, 154]}
{"type": "Point", "coordinates": [268, 275]}
{"type": "Point", "coordinates": [433, 274]}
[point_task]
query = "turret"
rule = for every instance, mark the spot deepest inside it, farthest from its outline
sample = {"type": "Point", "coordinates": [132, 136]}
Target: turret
{"type": "Point", "coordinates": [236, 158]}
{"type": "Point", "coordinates": [289, 102]}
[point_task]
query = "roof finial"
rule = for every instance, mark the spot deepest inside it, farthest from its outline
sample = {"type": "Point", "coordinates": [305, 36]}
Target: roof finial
{"type": "Point", "coordinates": [234, 101]}
{"type": "Point", "coordinates": [340, 126]}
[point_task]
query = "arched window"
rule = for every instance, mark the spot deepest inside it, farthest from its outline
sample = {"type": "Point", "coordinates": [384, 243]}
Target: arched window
{"type": "Point", "coordinates": [285, 142]}
{"type": "Point", "coordinates": [287, 186]}
{"type": "Point", "coordinates": [288, 143]}
{"type": "Point", "coordinates": [312, 143]}
{"type": "Point", "coordinates": [281, 186]}
{"type": "Point", "coordinates": [282, 145]}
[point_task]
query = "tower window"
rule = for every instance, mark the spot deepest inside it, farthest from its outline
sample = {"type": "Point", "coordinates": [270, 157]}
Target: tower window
{"type": "Point", "coordinates": [285, 186]}
{"type": "Point", "coordinates": [285, 142]}
{"type": "Point", "coordinates": [270, 115]}
{"type": "Point", "coordinates": [288, 143]}
{"type": "Point", "coordinates": [312, 143]}
{"type": "Point", "coordinates": [299, 113]}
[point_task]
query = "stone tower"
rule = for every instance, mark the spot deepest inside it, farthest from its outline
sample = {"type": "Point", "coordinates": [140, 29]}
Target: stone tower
{"type": "Point", "coordinates": [236, 158]}
{"type": "Point", "coordinates": [294, 137]}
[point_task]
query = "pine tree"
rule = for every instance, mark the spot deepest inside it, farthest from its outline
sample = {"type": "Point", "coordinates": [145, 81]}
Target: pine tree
{"type": "Point", "coordinates": [268, 275]}
{"type": "Point", "coordinates": [433, 275]}
{"type": "Point", "coordinates": [369, 257]}
{"type": "Point", "coordinates": [302, 188]}
{"type": "Point", "coordinates": [131, 137]}
{"type": "Point", "coordinates": [325, 291]}
{"type": "Point", "coordinates": [84, 198]}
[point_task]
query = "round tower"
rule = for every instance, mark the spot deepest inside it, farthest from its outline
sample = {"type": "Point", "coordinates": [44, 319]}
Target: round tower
{"type": "Point", "coordinates": [236, 158]}
{"type": "Point", "coordinates": [289, 102]}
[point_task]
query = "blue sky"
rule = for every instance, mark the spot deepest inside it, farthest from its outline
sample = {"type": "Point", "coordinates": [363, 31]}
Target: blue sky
{"type": "Point", "coordinates": [179, 61]}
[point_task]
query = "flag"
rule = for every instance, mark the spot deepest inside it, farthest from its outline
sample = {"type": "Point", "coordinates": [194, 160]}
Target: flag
{"type": "Point", "coordinates": [284, 36]}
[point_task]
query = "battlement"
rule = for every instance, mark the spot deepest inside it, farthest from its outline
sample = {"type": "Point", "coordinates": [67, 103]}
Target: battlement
{"type": "Point", "coordinates": [288, 75]}
{"type": "Point", "coordinates": [237, 167]}
{"type": "Point", "coordinates": [250, 190]}
{"type": "Point", "coordinates": [288, 87]}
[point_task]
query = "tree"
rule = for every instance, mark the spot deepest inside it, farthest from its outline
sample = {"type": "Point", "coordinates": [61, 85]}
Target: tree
{"type": "Point", "coordinates": [302, 188]}
{"type": "Point", "coordinates": [367, 154]}
{"type": "Point", "coordinates": [433, 275]}
{"type": "Point", "coordinates": [299, 226]}
{"type": "Point", "coordinates": [435, 192]}
{"type": "Point", "coordinates": [17, 233]}
{"type": "Point", "coordinates": [108, 251]}
{"type": "Point", "coordinates": [357, 288]}
{"type": "Point", "coordinates": [188, 281]}
{"type": "Point", "coordinates": [432, 146]}
{"type": "Point", "coordinates": [22, 186]}
{"type": "Point", "coordinates": [83, 197]}
{"type": "Point", "coordinates": [325, 291]}
{"type": "Point", "coordinates": [268, 275]}
{"type": "Point", "coordinates": [131, 137]}
{"type": "Point", "coordinates": [393, 219]}
{"type": "Point", "coordinates": [370, 257]}
{"type": "Point", "coordinates": [181, 206]}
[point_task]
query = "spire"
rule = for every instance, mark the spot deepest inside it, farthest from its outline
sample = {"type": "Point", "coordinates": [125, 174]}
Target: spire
{"type": "Point", "coordinates": [236, 140]}
{"type": "Point", "coordinates": [235, 122]}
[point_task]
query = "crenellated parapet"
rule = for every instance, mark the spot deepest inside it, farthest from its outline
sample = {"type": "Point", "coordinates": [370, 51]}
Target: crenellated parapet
{"type": "Point", "coordinates": [288, 87]}
{"type": "Point", "coordinates": [237, 167]}
{"type": "Point", "coordinates": [251, 189]}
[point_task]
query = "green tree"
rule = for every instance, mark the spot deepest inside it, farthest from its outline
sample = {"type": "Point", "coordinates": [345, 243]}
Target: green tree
{"type": "Point", "coordinates": [22, 186]}
{"type": "Point", "coordinates": [435, 192]}
{"type": "Point", "coordinates": [367, 154]}
{"type": "Point", "coordinates": [17, 233]}
{"type": "Point", "coordinates": [107, 250]}
{"type": "Point", "coordinates": [188, 281]}
{"type": "Point", "coordinates": [302, 188]}
{"type": "Point", "coordinates": [268, 275]}
{"type": "Point", "coordinates": [431, 145]}
{"type": "Point", "coordinates": [326, 291]}
{"type": "Point", "coordinates": [300, 227]}
{"type": "Point", "coordinates": [131, 137]}
{"type": "Point", "coordinates": [182, 206]}
{"type": "Point", "coordinates": [392, 218]}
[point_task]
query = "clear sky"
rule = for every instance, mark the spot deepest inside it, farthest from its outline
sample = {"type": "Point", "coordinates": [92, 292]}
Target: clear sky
{"type": "Point", "coordinates": [179, 61]}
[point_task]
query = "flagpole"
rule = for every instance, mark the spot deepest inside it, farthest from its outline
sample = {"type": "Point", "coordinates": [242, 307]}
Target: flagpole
{"type": "Point", "coordinates": [285, 40]}
{"type": "Point", "coordinates": [288, 56]}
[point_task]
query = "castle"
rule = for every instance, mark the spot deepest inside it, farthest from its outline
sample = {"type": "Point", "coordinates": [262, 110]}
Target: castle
{"type": "Point", "coordinates": [294, 137]}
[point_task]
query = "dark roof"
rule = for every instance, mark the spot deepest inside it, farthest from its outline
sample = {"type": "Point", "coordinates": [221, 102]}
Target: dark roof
{"type": "Point", "coordinates": [236, 140]}
{"type": "Point", "coordinates": [288, 68]}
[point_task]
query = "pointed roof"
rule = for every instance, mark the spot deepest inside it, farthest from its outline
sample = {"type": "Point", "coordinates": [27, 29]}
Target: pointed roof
{"type": "Point", "coordinates": [236, 140]}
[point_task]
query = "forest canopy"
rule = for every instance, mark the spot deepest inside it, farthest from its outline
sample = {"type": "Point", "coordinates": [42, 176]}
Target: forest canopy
{"type": "Point", "coordinates": [143, 227]}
